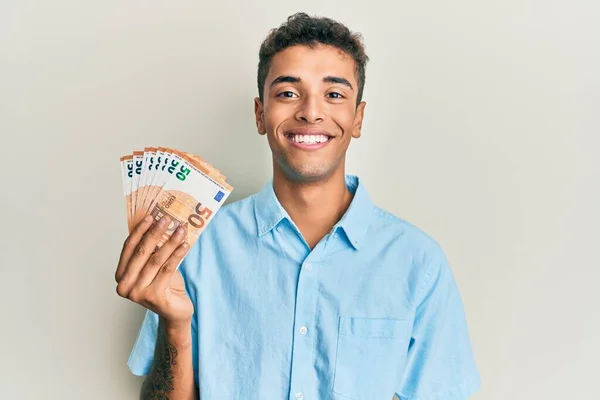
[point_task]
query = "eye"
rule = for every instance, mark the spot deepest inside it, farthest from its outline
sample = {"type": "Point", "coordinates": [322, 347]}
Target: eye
{"type": "Point", "coordinates": [335, 95]}
{"type": "Point", "coordinates": [287, 94]}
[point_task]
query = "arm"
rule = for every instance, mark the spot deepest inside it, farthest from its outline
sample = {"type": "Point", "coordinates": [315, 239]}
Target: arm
{"type": "Point", "coordinates": [172, 374]}
{"type": "Point", "coordinates": [149, 276]}
{"type": "Point", "coordinates": [440, 364]}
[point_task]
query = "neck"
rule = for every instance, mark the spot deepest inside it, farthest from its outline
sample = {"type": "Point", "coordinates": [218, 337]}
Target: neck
{"type": "Point", "coordinates": [315, 207]}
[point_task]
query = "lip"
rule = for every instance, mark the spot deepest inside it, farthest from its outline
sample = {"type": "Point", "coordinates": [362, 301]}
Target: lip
{"type": "Point", "coordinates": [305, 131]}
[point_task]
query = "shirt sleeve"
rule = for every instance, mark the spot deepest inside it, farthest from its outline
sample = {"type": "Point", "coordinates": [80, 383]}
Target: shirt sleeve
{"type": "Point", "coordinates": [440, 362]}
{"type": "Point", "coordinates": [142, 354]}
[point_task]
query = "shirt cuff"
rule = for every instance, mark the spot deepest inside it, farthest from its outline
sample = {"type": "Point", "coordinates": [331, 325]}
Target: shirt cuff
{"type": "Point", "coordinates": [138, 365]}
{"type": "Point", "coordinates": [461, 392]}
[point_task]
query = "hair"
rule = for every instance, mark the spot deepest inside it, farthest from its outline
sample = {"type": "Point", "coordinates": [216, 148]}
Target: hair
{"type": "Point", "coordinates": [302, 29]}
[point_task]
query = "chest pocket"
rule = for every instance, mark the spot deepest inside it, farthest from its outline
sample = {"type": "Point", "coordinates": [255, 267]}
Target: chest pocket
{"type": "Point", "coordinates": [371, 353]}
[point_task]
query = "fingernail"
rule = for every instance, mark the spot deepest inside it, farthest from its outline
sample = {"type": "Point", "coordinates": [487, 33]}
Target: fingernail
{"type": "Point", "coordinates": [179, 231]}
{"type": "Point", "coordinates": [148, 218]}
{"type": "Point", "coordinates": [163, 221]}
{"type": "Point", "coordinates": [185, 245]}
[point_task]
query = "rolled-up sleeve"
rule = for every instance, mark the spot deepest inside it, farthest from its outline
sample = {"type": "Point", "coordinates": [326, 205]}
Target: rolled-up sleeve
{"type": "Point", "coordinates": [142, 354]}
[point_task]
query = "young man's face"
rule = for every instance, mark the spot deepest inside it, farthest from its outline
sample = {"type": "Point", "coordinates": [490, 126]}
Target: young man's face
{"type": "Point", "coordinates": [309, 112]}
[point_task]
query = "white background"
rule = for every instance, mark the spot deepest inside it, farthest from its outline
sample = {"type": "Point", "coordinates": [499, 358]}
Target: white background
{"type": "Point", "coordinates": [481, 128]}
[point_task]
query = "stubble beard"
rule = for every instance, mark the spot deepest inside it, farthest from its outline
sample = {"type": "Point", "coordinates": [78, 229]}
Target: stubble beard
{"type": "Point", "coordinates": [304, 173]}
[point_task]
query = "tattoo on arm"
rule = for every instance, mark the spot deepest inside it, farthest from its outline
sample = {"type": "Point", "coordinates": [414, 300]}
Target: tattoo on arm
{"type": "Point", "coordinates": [159, 383]}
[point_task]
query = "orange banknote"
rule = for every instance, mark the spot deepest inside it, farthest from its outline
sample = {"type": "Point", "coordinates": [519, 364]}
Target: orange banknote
{"type": "Point", "coordinates": [164, 181]}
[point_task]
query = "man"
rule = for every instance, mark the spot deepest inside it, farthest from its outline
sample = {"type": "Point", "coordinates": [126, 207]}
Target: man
{"type": "Point", "coordinates": [305, 290]}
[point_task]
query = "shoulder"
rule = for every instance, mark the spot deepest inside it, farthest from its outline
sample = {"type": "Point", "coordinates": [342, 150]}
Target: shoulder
{"type": "Point", "coordinates": [242, 208]}
{"type": "Point", "coordinates": [428, 260]}
{"type": "Point", "coordinates": [238, 213]}
{"type": "Point", "coordinates": [428, 265]}
{"type": "Point", "coordinates": [403, 233]}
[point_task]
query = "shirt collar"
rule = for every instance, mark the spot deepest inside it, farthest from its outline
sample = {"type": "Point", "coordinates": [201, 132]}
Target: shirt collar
{"type": "Point", "coordinates": [267, 209]}
{"type": "Point", "coordinates": [355, 221]}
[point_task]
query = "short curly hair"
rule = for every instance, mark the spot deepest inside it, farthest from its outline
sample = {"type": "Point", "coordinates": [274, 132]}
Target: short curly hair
{"type": "Point", "coordinates": [302, 29]}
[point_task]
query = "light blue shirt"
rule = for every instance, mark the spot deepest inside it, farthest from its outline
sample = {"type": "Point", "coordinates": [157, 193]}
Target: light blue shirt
{"type": "Point", "coordinates": [371, 311]}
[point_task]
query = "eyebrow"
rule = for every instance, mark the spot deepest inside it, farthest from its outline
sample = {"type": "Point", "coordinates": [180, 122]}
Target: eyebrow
{"type": "Point", "coordinates": [337, 79]}
{"type": "Point", "coordinates": [295, 79]}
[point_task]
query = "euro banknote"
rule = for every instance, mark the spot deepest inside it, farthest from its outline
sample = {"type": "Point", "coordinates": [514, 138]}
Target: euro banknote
{"type": "Point", "coordinates": [163, 181]}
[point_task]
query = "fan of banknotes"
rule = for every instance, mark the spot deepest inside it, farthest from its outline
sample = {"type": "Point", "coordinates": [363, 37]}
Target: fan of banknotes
{"type": "Point", "coordinates": [163, 181]}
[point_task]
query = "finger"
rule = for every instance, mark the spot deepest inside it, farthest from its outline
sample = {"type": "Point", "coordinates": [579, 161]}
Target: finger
{"type": "Point", "coordinates": [142, 253]}
{"type": "Point", "coordinates": [129, 245]}
{"type": "Point", "coordinates": [158, 259]}
{"type": "Point", "coordinates": [163, 277]}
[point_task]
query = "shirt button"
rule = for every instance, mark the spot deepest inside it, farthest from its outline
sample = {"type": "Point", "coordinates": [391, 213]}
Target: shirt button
{"type": "Point", "coordinates": [303, 330]}
{"type": "Point", "coordinates": [299, 396]}
{"type": "Point", "coordinates": [279, 229]}
{"type": "Point", "coordinates": [307, 266]}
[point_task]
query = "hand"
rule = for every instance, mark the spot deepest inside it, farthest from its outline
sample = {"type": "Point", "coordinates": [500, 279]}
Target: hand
{"type": "Point", "coordinates": [150, 278]}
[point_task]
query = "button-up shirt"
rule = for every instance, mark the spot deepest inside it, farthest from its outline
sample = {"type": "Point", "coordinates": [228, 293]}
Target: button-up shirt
{"type": "Point", "coordinates": [372, 311]}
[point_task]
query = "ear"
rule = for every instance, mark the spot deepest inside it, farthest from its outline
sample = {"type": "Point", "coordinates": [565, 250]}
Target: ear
{"type": "Point", "coordinates": [358, 120]}
{"type": "Point", "coordinates": [259, 116]}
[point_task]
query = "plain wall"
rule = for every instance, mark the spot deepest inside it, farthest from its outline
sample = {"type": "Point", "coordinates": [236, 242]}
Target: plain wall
{"type": "Point", "coordinates": [481, 128]}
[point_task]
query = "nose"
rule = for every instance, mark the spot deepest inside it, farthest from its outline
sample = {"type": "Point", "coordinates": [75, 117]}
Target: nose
{"type": "Point", "coordinates": [310, 111]}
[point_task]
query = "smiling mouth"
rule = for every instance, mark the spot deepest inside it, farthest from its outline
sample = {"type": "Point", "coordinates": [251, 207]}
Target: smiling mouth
{"type": "Point", "coordinates": [308, 139]}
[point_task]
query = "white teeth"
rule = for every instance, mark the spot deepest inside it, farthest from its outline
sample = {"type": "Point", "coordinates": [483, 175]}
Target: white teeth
{"type": "Point", "coordinates": [310, 139]}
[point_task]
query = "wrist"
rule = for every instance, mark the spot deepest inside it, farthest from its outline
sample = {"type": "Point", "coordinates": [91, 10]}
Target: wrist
{"type": "Point", "coordinates": [178, 333]}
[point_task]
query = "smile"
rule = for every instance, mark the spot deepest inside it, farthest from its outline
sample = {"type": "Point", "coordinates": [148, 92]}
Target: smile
{"type": "Point", "coordinates": [310, 141]}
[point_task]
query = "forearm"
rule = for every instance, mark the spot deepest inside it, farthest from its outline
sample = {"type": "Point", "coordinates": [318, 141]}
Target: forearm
{"type": "Point", "coordinates": [172, 373]}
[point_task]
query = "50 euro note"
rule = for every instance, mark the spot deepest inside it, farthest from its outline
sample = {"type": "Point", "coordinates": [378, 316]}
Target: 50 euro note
{"type": "Point", "coordinates": [176, 163]}
{"type": "Point", "coordinates": [167, 165]}
{"type": "Point", "coordinates": [190, 196]}
{"type": "Point", "coordinates": [156, 170]}
{"type": "Point", "coordinates": [127, 176]}
{"type": "Point", "coordinates": [148, 160]}
{"type": "Point", "coordinates": [138, 161]}
{"type": "Point", "coordinates": [214, 172]}
{"type": "Point", "coordinates": [156, 173]}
